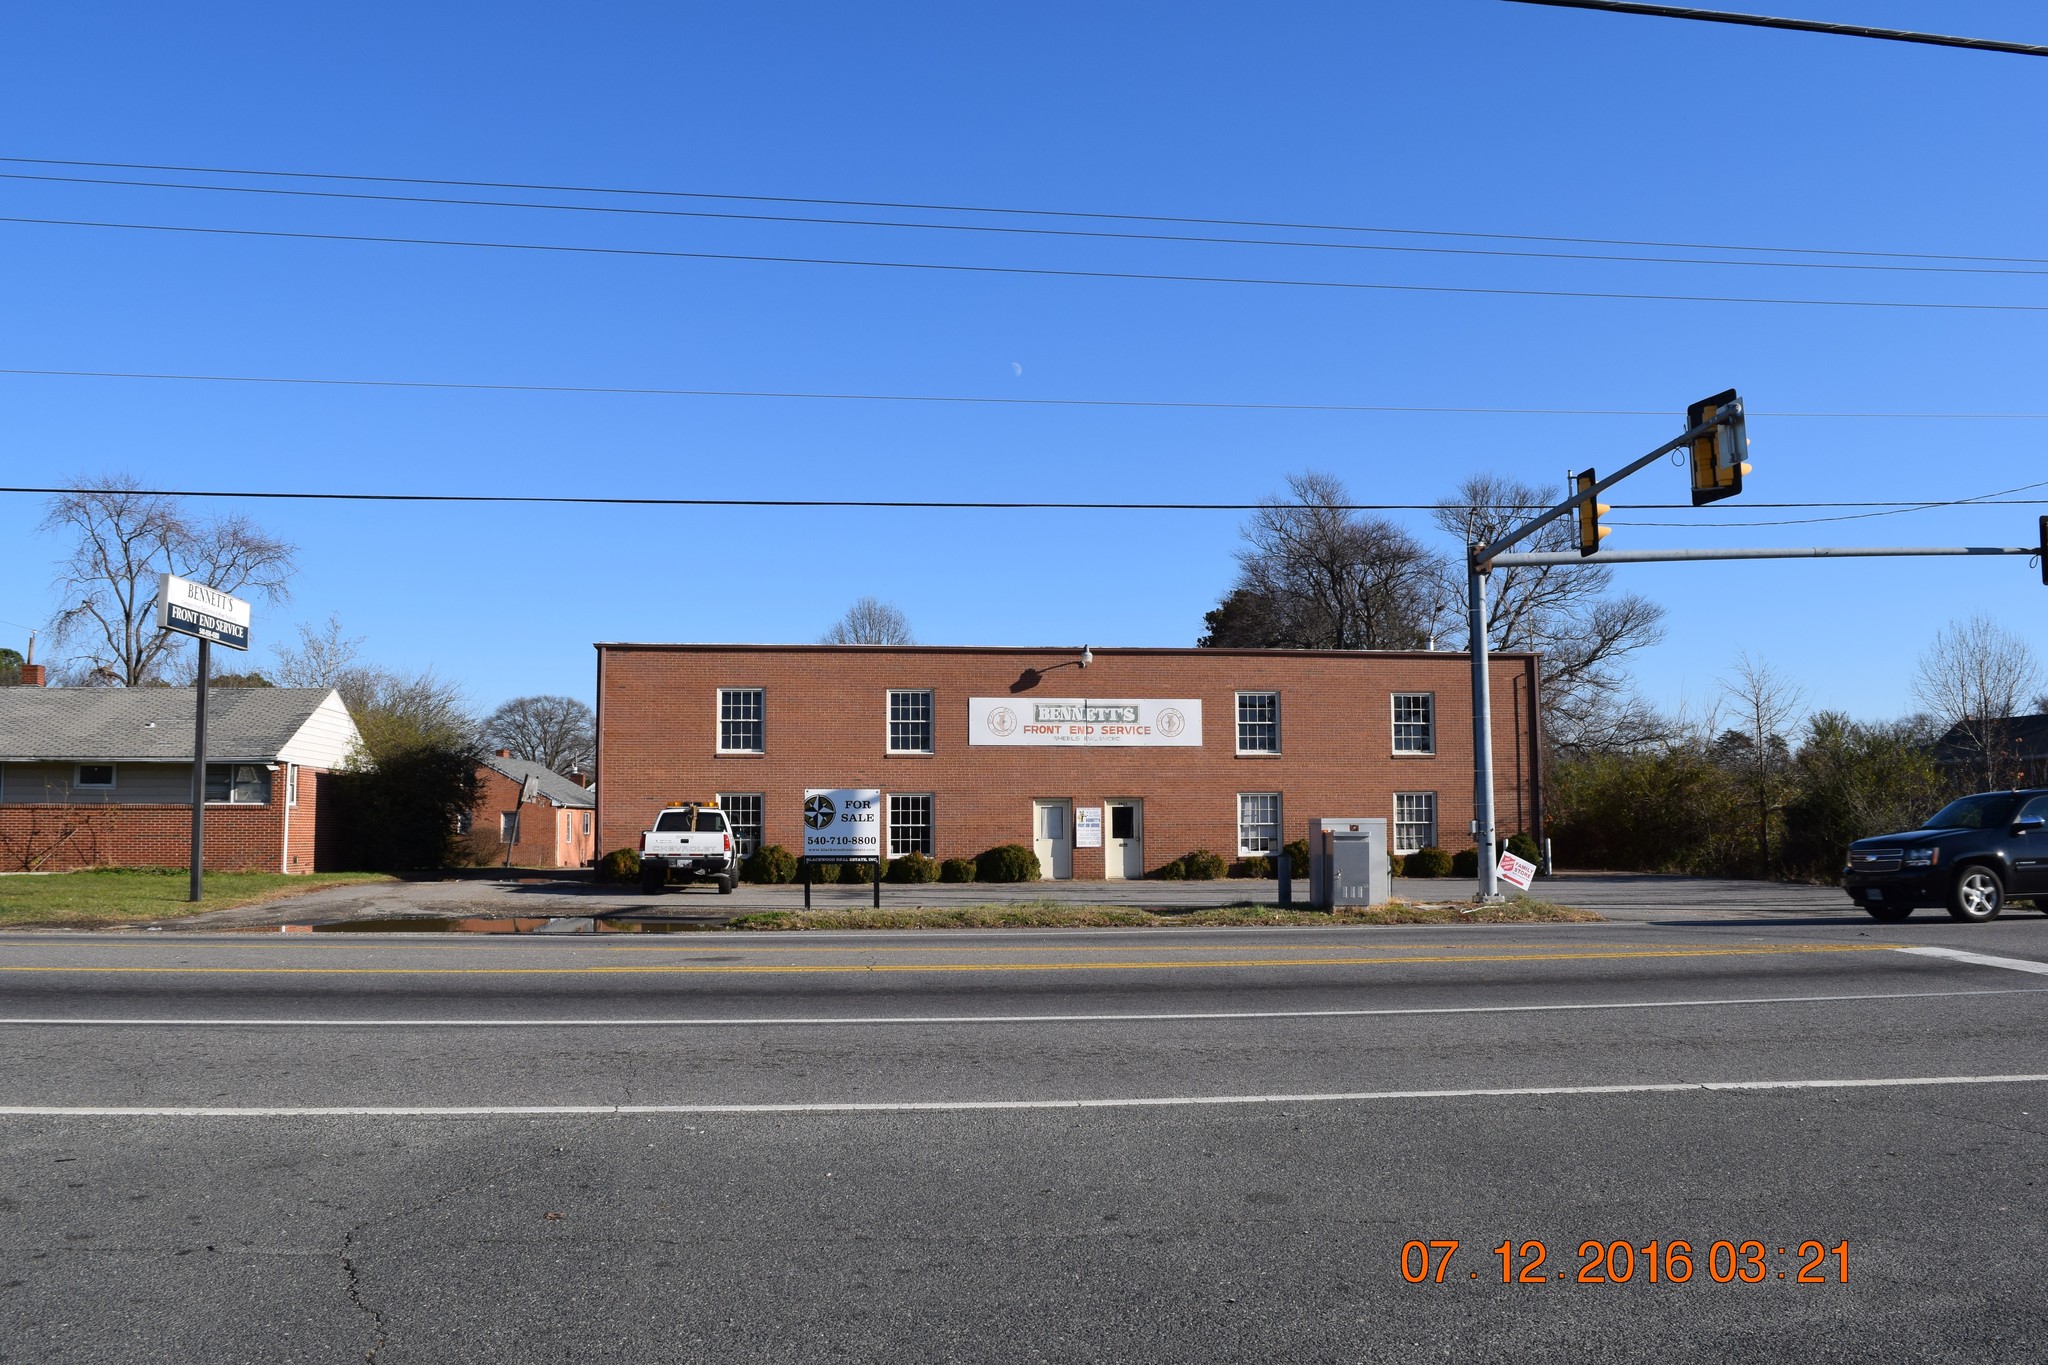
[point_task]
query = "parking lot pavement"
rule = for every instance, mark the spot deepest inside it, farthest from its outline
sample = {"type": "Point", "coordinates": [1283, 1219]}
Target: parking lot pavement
{"type": "Point", "coordinates": [1640, 898]}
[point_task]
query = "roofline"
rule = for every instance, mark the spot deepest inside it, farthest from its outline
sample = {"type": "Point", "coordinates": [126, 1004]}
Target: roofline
{"type": "Point", "coordinates": [491, 761]}
{"type": "Point", "coordinates": [139, 758]}
{"type": "Point", "coordinates": [1147, 651]}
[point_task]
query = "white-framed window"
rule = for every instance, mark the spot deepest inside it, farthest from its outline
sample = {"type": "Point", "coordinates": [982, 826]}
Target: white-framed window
{"type": "Point", "coordinates": [742, 720]}
{"type": "Point", "coordinates": [291, 784]}
{"type": "Point", "coordinates": [1258, 722]}
{"type": "Point", "coordinates": [237, 784]}
{"type": "Point", "coordinates": [586, 824]}
{"type": "Point", "coordinates": [910, 824]}
{"type": "Point", "coordinates": [93, 776]}
{"type": "Point", "coordinates": [463, 822]}
{"type": "Point", "coordinates": [1415, 722]}
{"type": "Point", "coordinates": [508, 827]}
{"type": "Point", "coordinates": [910, 720]}
{"type": "Point", "coordinates": [1414, 821]}
{"type": "Point", "coordinates": [1258, 824]}
{"type": "Point", "coordinates": [744, 810]}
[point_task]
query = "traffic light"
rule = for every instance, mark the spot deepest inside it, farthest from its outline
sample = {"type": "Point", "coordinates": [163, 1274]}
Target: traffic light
{"type": "Point", "coordinates": [2044, 552]}
{"type": "Point", "coordinates": [1718, 456]}
{"type": "Point", "coordinates": [1591, 532]}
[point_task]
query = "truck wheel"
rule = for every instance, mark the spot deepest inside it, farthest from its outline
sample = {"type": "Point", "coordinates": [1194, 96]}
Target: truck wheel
{"type": "Point", "coordinates": [653, 877]}
{"type": "Point", "coordinates": [725, 884]}
{"type": "Point", "coordinates": [1890, 912]}
{"type": "Point", "coordinates": [1977, 894]}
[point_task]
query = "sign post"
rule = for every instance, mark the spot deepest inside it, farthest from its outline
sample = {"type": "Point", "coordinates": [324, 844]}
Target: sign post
{"type": "Point", "coordinates": [210, 617]}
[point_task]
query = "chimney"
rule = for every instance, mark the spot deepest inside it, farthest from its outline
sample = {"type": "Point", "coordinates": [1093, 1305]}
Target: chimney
{"type": "Point", "coordinates": [31, 675]}
{"type": "Point", "coordinates": [579, 777]}
{"type": "Point", "coordinates": [504, 753]}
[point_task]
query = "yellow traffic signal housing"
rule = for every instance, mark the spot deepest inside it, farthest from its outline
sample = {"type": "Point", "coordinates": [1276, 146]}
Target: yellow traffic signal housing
{"type": "Point", "coordinates": [1591, 532]}
{"type": "Point", "coordinates": [2044, 552]}
{"type": "Point", "coordinates": [1718, 456]}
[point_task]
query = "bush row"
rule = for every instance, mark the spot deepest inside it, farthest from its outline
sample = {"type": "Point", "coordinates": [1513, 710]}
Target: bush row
{"type": "Point", "coordinates": [772, 864]}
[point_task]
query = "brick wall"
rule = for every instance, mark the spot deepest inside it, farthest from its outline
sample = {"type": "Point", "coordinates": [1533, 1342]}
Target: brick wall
{"type": "Point", "coordinates": [311, 845]}
{"type": "Point", "coordinates": [58, 838]}
{"type": "Point", "coordinates": [826, 726]}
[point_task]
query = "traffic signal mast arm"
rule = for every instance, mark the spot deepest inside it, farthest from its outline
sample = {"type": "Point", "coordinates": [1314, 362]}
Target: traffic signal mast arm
{"type": "Point", "coordinates": [1538, 560]}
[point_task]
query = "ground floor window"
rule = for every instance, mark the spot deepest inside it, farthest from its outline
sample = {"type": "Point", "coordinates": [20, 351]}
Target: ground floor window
{"type": "Point", "coordinates": [910, 825]}
{"type": "Point", "coordinates": [1414, 821]}
{"type": "Point", "coordinates": [238, 784]}
{"type": "Point", "coordinates": [462, 822]}
{"type": "Point", "coordinates": [1258, 824]}
{"type": "Point", "coordinates": [743, 811]}
{"type": "Point", "coordinates": [508, 827]}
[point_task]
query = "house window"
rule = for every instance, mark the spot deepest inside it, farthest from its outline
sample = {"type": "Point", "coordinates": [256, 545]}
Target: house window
{"type": "Point", "coordinates": [910, 721]}
{"type": "Point", "coordinates": [586, 824]}
{"type": "Point", "coordinates": [508, 827]}
{"type": "Point", "coordinates": [237, 784]}
{"type": "Point", "coordinates": [95, 775]}
{"type": "Point", "coordinates": [1414, 722]}
{"type": "Point", "coordinates": [740, 728]}
{"type": "Point", "coordinates": [1258, 824]}
{"type": "Point", "coordinates": [910, 825]}
{"type": "Point", "coordinates": [1258, 722]}
{"type": "Point", "coordinates": [462, 822]}
{"type": "Point", "coordinates": [1414, 821]}
{"type": "Point", "coordinates": [744, 810]}
{"type": "Point", "coordinates": [291, 784]}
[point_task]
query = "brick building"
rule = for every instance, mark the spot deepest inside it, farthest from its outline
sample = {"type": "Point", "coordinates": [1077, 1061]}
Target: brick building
{"type": "Point", "coordinates": [556, 828]}
{"type": "Point", "coordinates": [102, 777]}
{"type": "Point", "coordinates": [1154, 752]}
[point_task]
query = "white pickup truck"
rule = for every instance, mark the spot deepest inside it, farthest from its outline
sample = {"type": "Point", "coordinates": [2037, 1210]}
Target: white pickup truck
{"type": "Point", "coordinates": [687, 842]}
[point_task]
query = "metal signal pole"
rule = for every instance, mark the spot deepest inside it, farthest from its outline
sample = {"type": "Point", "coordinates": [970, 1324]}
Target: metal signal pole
{"type": "Point", "coordinates": [199, 775]}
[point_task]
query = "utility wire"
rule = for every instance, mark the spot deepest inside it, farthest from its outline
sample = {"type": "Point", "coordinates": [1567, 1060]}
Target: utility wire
{"type": "Point", "coordinates": [1094, 234]}
{"type": "Point", "coordinates": [1898, 35]}
{"type": "Point", "coordinates": [1038, 271]}
{"type": "Point", "coordinates": [1016, 212]}
{"type": "Point", "coordinates": [982, 399]}
{"type": "Point", "coordinates": [2001, 498]}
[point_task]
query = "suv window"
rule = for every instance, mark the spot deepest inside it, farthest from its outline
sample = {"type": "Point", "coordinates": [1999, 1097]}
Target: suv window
{"type": "Point", "coordinates": [2036, 809]}
{"type": "Point", "coordinates": [1974, 812]}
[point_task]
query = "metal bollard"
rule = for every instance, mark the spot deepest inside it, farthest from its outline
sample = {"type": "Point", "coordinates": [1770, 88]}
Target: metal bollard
{"type": "Point", "coordinates": [1286, 879]}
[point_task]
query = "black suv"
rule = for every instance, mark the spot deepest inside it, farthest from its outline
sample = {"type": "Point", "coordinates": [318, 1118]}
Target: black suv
{"type": "Point", "coordinates": [1970, 856]}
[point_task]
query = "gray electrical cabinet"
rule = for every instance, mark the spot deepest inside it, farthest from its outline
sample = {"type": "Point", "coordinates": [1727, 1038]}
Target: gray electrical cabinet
{"type": "Point", "coordinates": [1347, 863]}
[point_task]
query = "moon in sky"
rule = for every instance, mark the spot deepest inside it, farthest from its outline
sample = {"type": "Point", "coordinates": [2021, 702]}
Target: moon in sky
{"type": "Point", "coordinates": [1017, 369]}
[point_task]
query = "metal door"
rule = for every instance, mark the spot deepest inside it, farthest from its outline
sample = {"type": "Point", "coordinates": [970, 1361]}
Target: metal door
{"type": "Point", "coordinates": [1123, 843]}
{"type": "Point", "coordinates": [1052, 838]}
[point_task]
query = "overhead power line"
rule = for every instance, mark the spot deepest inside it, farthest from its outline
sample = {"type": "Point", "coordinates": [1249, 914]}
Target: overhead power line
{"type": "Point", "coordinates": [1174, 404]}
{"type": "Point", "coordinates": [1715, 16]}
{"type": "Point", "coordinates": [1091, 234]}
{"type": "Point", "coordinates": [1042, 272]}
{"type": "Point", "coordinates": [1012, 211]}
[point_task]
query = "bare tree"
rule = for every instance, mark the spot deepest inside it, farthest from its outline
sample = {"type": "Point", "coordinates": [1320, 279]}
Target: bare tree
{"type": "Point", "coordinates": [122, 539]}
{"type": "Point", "coordinates": [1974, 678]}
{"type": "Point", "coordinates": [870, 622]}
{"type": "Point", "coordinates": [1564, 612]}
{"type": "Point", "coordinates": [1314, 574]}
{"type": "Point", "coordinates": [1764, 704]}
{"type": "Point", "coordinates": [395, 712]}
{"type": "Point", "coordinates": [556, 732]}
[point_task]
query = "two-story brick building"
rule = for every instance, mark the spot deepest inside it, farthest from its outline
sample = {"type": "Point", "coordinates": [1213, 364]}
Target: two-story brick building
{"type": "Point", "coordinates": [1109, 768]}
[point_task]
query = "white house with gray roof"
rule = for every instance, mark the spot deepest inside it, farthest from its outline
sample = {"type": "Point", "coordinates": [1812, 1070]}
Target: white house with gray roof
{"type": "Point", "coordinates": [102, 776]}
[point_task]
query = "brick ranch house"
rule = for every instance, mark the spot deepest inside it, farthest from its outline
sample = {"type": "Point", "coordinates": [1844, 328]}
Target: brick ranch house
{"type": "Point", "coordinates": [555, 829]}
{"type": "Point", "coordinates": [1232, 751]}
{"type": "Point", "coordinates": [102, 777]}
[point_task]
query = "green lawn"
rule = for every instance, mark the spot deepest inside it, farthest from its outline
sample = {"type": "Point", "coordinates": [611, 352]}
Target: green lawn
{"type": "Point", "coordinates": [1056, 915]}
{"type": "Point", "coordinates": [101, 896]}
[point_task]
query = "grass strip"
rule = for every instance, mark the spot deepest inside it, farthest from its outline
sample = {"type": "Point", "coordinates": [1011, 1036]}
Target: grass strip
{"type": "Point", "coordinates": [1059, 915]}
{"type": "Point", "coordinates": [100, 896]}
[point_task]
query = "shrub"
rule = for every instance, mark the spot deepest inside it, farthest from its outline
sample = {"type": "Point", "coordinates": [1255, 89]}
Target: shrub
{"type": "Point", "coordinates": [769, 864]}
{"type": "Point", "coordinates": [1252, 867]}
{"type": "Point", "coordinates": [862, 872]}
{"type": "Point", "coordinates": [1397, 865]}
{"type": "Point", "coordinates": [913, 867]}
{"type": "Point", "coordinates": [1465, 863]}
{"type": "Point", "coordinates": [399, 810]}
{"type": "Point", "coordinates": [824, 872]}
{"type": "Point", "coordinates": [1174, 871]}
{"type": "Point", "coordinates": [1428, 862]}
{"type": "Point", "coordinates": [1523, 845]}
{"type": "Point", "coordinates": [1297, 853]}
{"type": "Point", "coordinates": [1007, 863]}
{"type": "Point", "coordinates": [619, 865]}
{"type": "Point", "coordinates": [957, 870]}
{"type": "Point", "coordinates": [1203, 866]}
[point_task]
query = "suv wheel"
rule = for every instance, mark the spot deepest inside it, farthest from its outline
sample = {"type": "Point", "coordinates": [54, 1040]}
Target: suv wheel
{"type": "Point", "coordinates": [1977, 894]}
{"type": "Point", "coordinates": [1890, 912]}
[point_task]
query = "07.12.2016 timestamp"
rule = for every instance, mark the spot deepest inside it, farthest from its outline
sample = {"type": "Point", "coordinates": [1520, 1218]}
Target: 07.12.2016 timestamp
{"type": "Point", "coordinates": [1657, 1262]}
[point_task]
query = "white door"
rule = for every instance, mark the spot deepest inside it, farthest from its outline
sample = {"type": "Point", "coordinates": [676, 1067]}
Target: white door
{"type": "Point", "coordinates": [1052, 838]}
{"type": "Point", "coordinates": [1123, 843]}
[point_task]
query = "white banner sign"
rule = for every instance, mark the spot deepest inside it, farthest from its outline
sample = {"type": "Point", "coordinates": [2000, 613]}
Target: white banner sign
{"type": "Point", "coordinates": [1088, 827]}
{"type": "Point", "coordinates": [194, 609]}
{"type": "Point", "coordinates": [1087, 722]}
{"type": "Point", "coordinates": [842, 822]}
{"type": "Point", "coordinates": [1517, 872]}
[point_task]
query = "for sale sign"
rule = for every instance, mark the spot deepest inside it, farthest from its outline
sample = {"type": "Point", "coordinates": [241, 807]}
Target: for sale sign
{"type": "Point", "coordinates": [194, 609]}
{"type": "Point", "coordinates": [1516, 872]}
{"type": "Point", "coordinates": [842, 823]}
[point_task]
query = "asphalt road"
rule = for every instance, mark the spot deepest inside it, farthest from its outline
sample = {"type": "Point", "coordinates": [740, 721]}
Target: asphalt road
{"type": "Point", "coordinates": [1144, 1146]}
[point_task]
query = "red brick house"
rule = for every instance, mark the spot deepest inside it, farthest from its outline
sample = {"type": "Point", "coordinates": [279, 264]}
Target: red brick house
{"type": "Point", "coordinates": [102, 777]}
{"type": "Point", "coordinates": [557, 828]}
{"type": "Point", "coordinates": [1111, 771]}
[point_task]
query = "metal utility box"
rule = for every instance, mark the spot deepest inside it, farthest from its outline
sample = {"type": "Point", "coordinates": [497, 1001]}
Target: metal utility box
{"type": "Point", "coordinates": [1347, 863]}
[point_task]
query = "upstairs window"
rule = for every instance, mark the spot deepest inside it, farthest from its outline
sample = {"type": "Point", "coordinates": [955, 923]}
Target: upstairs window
{"type": "Point", "coordinates": [910, 721]}
{"type": "Point", "coordinates": [1414, 722]}
{"type": "Point", "coordinates": [1258, 722]}
{"type": "Point", "coordinates": [741, 727]}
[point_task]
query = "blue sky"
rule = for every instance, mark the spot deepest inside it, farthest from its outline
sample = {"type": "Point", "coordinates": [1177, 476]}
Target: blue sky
{"type": "Point", "coordinates": [1463, 115]}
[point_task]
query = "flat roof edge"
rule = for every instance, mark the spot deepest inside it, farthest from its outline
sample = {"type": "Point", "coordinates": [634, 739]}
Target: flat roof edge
{"type": "Point", "coordinates": [1188, 651]}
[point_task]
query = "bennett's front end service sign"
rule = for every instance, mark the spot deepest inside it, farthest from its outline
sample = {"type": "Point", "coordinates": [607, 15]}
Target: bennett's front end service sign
{"type": "Point", "coordinates": [842, 822]}
{"type": "Point", "coordinates": [194, 609]}
{"type": "Point", "coordinates": [1139, 722]}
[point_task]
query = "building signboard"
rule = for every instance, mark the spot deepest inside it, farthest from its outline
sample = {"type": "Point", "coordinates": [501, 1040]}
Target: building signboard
{"type": "Point", "coordinates": [842, 823]}
{"type": "Point", "coordinates": [194, 609]}
{"type": "Point", "coordinates": [1086, 722]}
{"type": "Point", "coordinates": [1088, 827]}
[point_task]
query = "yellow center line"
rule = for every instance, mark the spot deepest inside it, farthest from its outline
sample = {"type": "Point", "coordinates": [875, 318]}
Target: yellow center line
{"type": "Point", "coordinates": [681, 969]}
{"type": "Point", "coordinates": [584, 942]}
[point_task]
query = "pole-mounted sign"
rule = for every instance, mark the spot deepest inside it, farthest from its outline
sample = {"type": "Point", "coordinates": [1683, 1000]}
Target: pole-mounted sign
{"type": "Point", "coordinates": [211, 617]}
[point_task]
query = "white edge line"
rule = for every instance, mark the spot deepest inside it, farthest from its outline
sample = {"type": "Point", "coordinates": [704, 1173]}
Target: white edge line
{"type": "Point", "coordinates": [956, 1106]}
{"type": "Point", "coordinates": [2013, 964]}
{"type": "Point", "coordinates": [894, 1019]}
